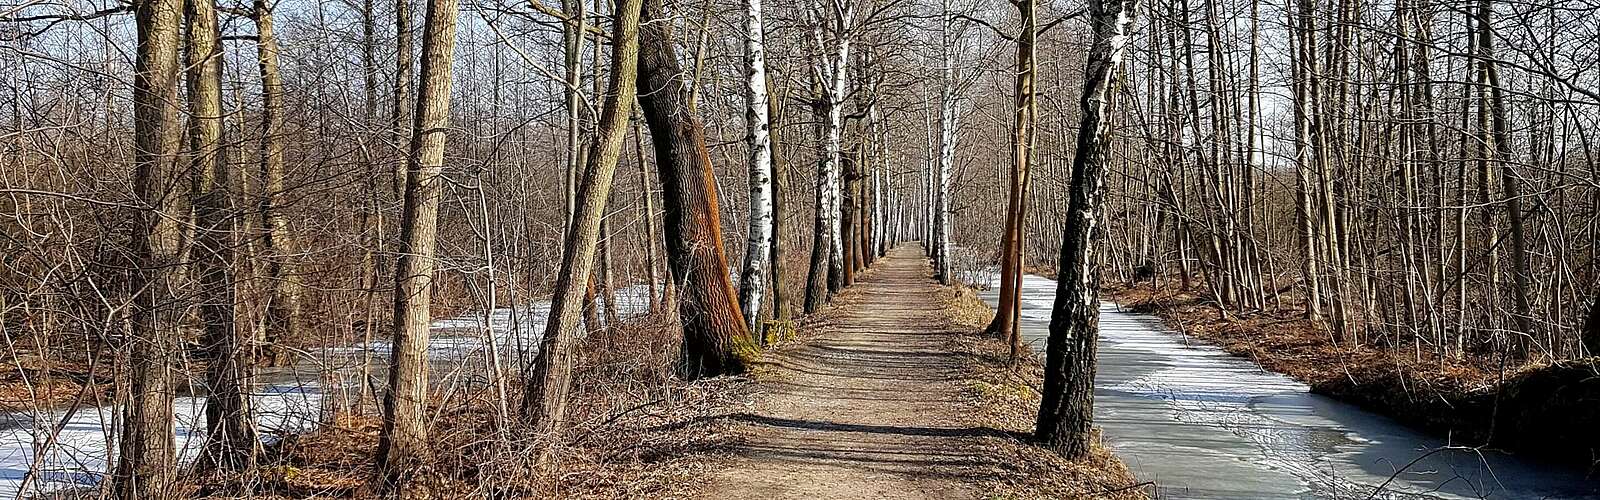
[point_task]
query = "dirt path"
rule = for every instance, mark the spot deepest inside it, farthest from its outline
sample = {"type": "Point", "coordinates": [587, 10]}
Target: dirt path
{"type": "Point", "coordinates": [869, 408]}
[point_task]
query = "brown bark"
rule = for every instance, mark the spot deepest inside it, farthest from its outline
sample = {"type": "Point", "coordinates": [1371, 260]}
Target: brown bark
{"type": "Point", "coordinates": [1006, 311]}
{"type": "Point", "coordinates": [545, 397]}
{"type": "Point", "coordinates": [146, 465]}
{"type": "Point", "coordinates": [403, 447]}
{"type": "Point", "coordinates": [715, 340]}
{"type": "Point", "coordinates": [231, 441]}
{"type": "Point", "coordinates": [282, 289]}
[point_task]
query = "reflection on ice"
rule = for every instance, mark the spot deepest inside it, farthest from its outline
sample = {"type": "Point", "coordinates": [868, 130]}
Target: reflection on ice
{"type": "Point", "coordinates": [1202, 423]}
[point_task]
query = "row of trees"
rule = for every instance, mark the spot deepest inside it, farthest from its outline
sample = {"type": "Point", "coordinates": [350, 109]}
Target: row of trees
{"type": "Point", "coordinates": [276, 207]}
{"type": "Point", "coordinates": [1416, 176]}
{"type": "Point", "coordinates": [1432, 159]}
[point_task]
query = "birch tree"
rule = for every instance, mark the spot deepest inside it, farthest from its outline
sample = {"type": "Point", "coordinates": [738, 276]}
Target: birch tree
{"type": "Point", "coordinates": [830, 37]}
{"type": "Point", "coordinates": [758, 252]}
{"type": "Point", "coordinates": [1066, 411]}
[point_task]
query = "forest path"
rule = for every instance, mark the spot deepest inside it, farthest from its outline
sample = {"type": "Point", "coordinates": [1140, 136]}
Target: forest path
{"type": "Point", "coordinates": [869, 407]}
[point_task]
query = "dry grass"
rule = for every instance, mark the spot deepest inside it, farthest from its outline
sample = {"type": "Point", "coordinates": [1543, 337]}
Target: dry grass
{"type": "Point", "coordinates": [636, 432]}
{"type": "Point", "coordinates": [1006, 398]}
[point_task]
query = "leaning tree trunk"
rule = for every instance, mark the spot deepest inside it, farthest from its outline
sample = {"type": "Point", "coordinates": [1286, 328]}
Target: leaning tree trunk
{"type": "Point", "coordinates": [1066, 411]}
{"type": "Point", "coordinates": [545, 398]}
{"type": "Point", "coordinates": [146, 465]}
{"type": "Point", "coordinates": [231, 441]}
{"type": "Point", "coordinates": [403, 446]}
{"type": "Point", "coordinates": [757, 254]}
{"type": "Point", "coordinates": [715, 341]}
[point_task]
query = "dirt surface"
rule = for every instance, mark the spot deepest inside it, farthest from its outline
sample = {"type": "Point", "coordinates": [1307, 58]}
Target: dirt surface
{"type": "Point", "coordinates": [871, 407]}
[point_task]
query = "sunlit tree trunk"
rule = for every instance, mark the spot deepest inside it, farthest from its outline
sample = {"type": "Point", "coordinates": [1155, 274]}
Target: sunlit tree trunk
{"type": "Point", "coordinates": [1066, 411]}
{"type": "Point", "coordinates": [146, 465]}
{"type": "Point", "coordinates": [277, 244]}
{"type": "Point", "coordinates": [1006, 311]}
{"type": "Point", "coordinates": [231, 441]}
{"type": "Point", "coordinates": [403, 446]}
{"type": "Point", "coordinates": [758, 251]}
{"type": "Point", "coordinates": [949, 122]}
{"type": "Point", "coordinates": [545, 397]}
{"type": "Point", "coordinates": [780, 187]}
{"type": "Point", "coordinates": [715, 341]}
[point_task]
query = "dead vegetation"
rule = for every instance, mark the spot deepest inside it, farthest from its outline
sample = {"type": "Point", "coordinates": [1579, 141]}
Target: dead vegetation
{"type": "Point", "coordinates": [1537, 408]}
{"type": "Point", "coordinates": [638, 433]}
{"type": "Point", "coordinates": [1006, 398]}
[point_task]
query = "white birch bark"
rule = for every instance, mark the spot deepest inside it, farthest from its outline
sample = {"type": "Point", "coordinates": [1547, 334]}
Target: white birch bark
{"type": "Point", "coordinates": [758, 250]}
{"type": "Point", "coordinates": [948, 122]}
{"type": "Point", "coordinates": [837, 71]}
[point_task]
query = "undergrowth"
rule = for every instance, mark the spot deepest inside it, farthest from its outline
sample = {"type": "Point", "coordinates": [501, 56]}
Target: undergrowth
{"type": "Point", "coordinates": [635, 431]}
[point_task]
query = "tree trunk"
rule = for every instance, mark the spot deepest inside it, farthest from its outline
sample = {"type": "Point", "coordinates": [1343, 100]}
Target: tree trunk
{"type": "Point", "coordinates": [1522, 280]}
{"type": "Point", "coordinates": [277, 244]}
{"type": "Point", "coordinates": [544, 401]}
{"type": "Point", "coordinates": [715, 341]}
{"type": "Point", "coordinates": [758, 251]}
{"type": "Point", "coordinates": [401, 107]}
{"type": "Point", "coordinates": [949, 123]}
{"type": "Point", "coordinates": [780, 187]}
{"type": "Point", "coordinates": [231, 441]}
{"type": "Point", "coordinates": [1066, 411]}
{"type": "Point", "coordinates": [1309, 237]}
{"type": "Point", "coordinates": [146, 465]}
{"type": "Point", "coordinates": [848, 207]}
{"type": "Point", "coordinates": [572, 63]}
{"type": "Point", "coordinates": [403, 446]}
{"type": "Point", "coordinates": [647, 205]}
{"type": "Point", "coordinates": [1022, 160]}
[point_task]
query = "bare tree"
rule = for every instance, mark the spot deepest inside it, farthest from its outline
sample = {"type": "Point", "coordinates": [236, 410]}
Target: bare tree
{"type": "Point", "coordinates": [403, 445]}
{"type": "Point", "coordinates": [545, 397]}
{"type": "Point", "coordinates": [752, 277]}
{"type": "Point", "coordinates": [146, 465]}
{"type": "Point", "coordinates": [715, 341]}
{"type": "Point", "coordinates": [1066, 412]}
{"type": "Point", "coordinates": [231, 441]}
{"type": "Point", "coordinates": [277, 242]}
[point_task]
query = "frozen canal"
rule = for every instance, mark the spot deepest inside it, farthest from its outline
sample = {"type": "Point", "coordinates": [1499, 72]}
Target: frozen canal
{"type": "Point", "coordinates": [1201, 423]}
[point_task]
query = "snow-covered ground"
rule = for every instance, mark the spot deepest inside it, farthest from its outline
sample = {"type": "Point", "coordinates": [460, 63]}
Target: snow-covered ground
{"type": "Point", "coordinates": [287, 403]}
